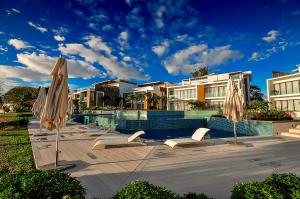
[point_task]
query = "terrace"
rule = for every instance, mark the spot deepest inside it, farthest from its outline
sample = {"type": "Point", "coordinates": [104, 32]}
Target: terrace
{"type": "Point", "coordinates": [211, 167]}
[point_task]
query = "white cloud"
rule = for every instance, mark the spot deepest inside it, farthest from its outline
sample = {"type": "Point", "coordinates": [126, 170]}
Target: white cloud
{"type": "Point", "coordinates": [255, 56]}
{"type": "Point", "coordinates": [126, 58]}
{"type": "Point", "coordinates": [97, 44]}
{"type": "Point", "coordinates": [18, 44]}
{"type": "Point", "coordinates": [38, 67]}
{"type": "Point", "coordinates": [185, 60]}
{"type": "Point", "coordinates": [3, 49]}
{"type": "Point", "coordinates": [272, 36]}
{"type": "Point", "coordinates": [59, 38]}
{"type": "Point", "coordinates": [161, 49]}
{"type": "Point", "coordinates": [259, 56]}
{"type": "Point", "coordinates": [128, 2]}
{"type": "Point", "coordinates": [110, 63]}
{"type": "Point", "coordinates": [12, 11]}
{"type": "Point", "coordinates": [107, 27]}
{"type": "Point", "coordinates": [7, 84]}
{"type": "Point", "coordinates": [60, 30]}
{"type": "Point", "coordinates": [159, 16]}
{"type": "Point", "coordinates": [2, 33]}
{"type": "Point", "coordinates": [37, 27]}
{"type": "Point", "coordinates": [123, 38]}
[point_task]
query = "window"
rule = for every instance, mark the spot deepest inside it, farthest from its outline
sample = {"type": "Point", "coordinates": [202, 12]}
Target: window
{"type": "Point", "coordinates": [284, 105]}
{"type": "Point", "coordinates": [278, 105]}
{"type": "Point", "coordinates": [289, 87]}
{"type": "Point", "coordinates": [291, 105]}
{"type": "Point", "coordinates": [171, 92]}
{"type": "Point", "coordinates": [295, 86]}
{"type": "Point", "coordinates": [282, 89]}
{"type": "Point", "coordinates": [277, 89]}
{"type": "Point", "coordinates": [297, 105]}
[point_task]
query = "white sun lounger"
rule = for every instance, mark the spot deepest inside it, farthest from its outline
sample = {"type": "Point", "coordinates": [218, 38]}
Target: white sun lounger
{"type": "Point", "coordinates": [133, 137]}
{"type": "Point", "coordinates": [119, 141]}
{"type": "Point", "coordinates": [196, 138]}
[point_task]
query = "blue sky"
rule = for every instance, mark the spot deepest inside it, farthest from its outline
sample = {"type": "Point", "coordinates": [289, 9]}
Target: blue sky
{"type": "Point", "coordinates": [144, 40]}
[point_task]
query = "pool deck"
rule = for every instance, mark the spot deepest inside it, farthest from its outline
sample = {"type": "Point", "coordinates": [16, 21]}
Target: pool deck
{"type": "Point", "coordinates": [209, 168]}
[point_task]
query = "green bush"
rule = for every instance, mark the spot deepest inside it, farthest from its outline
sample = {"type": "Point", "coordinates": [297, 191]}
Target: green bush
{"type": "Point", "coordinates": [276, 186]}
{"type": "Point", "coordinates": [142, 189]}
{"type": "Point", "coordinates": [17, 122]}
{"type": "Point", "coordinates": [191, 195]}
{"type": "Point", "coordinates": [40, 184]}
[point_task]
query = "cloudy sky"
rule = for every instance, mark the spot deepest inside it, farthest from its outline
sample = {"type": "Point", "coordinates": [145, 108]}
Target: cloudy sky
{"type": "Point", "coordinates": [144, 41]}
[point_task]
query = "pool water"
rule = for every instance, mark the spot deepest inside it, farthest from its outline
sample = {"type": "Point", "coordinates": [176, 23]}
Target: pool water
{"type": "Point", "coordinates": [179, 133]}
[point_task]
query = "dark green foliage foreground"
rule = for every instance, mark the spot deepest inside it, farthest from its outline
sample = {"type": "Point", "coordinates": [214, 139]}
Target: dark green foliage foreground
{"type": "Point", "coordinates": [145, 190]}
{"type": "Point", "coordinates": [276, 186]}
{"type": "Point", "coordinates": [40, 184]}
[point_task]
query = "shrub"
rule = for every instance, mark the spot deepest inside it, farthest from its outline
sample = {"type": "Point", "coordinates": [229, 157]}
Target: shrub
{"type": "Point", "coordinates": [191, 195]}
{"type": "Point", "coordinates": [276, 186]}
{"type": "Point", "coordinates": [18, 122]}
{"type": "Point", "coordinates": [40, 184]}
{"type": "Point", "coordinates": [142, 189]}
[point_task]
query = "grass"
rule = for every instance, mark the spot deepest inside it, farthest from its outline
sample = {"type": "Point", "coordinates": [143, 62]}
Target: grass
{"type": "Point", "coordinates": [15, 150]}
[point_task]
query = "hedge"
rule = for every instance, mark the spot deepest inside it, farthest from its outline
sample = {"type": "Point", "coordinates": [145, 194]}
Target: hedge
{"type": "Point", "coordinates": [40, 184]}
{"type": "Point", "coordinates": [276, 186]}
{"type": "Point", "coordinates": [17, 122]}
{"type": "Point", "coordinates": [143, 189]}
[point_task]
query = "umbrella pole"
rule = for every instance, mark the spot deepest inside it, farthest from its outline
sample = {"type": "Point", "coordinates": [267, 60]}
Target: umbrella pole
{"type": "Point", "coordinates": [40, 127]}
{"type": "Point", "coordinates": [234, 131]}
{"type": "Point", "coordinates": [56, 148]}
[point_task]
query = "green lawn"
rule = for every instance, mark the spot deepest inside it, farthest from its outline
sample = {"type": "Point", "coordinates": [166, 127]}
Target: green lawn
{"type": "Point", "coordinates": [15, 150]}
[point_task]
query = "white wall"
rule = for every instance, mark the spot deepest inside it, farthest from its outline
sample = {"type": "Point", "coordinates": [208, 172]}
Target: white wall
{"type": "Point", "coordinates": [125, 88]}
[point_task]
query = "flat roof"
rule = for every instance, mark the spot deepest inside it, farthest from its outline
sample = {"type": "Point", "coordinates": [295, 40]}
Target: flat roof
{"type": "Point", "coordinates": [115, 81]}
{"type": "Point", "coordinates": [153, 83]}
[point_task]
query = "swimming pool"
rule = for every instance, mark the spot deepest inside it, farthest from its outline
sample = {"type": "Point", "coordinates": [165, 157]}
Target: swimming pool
{"type": "Point", "coordinates": [156, 127]}
{"type": "Point", "coordinates": [162, 135]}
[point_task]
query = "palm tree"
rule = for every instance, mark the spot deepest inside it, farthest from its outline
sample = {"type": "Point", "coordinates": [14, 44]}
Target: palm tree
{"type": "Point", "coordinates": [119, 100]}
{"type": "Point", "coordinates": [105, 99]}
{"type": "Point", "coordinates": [130, 98]}
{"type": "Point", "coordinates": [164, 101]}
{"type": "Point", "coordinates": [149, 98]}
{"type": "Point", "coordinates": [155, 99]}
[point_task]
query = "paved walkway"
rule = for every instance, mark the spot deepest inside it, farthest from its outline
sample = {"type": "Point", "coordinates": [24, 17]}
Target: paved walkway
{"type": "Point", "coordinates": [212, 169]}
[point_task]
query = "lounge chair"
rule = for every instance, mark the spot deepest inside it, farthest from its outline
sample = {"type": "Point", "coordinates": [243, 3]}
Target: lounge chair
{"type": "Point", "coordinates": [119, 141]}
{"type": "Point", "coordinates": [196, 138]}
{"type": "Point", "coordinates": [133, 137]}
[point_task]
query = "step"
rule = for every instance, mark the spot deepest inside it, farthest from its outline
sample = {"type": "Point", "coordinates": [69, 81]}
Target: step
{"type": "Point", "coordinates": [287, 134]}
{"type": "Point", "coordinates": [298, 126]}
{"type": "Point", "coordinates": [294, 130]}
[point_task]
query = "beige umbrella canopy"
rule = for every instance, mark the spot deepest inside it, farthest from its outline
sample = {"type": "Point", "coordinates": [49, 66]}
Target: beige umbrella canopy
{"type": "Point", "coordinates": [233, 104]}
{"type": "Point", "coordinates": [56, 105]}
{"type": "Point", "coordinates": [38, 105]}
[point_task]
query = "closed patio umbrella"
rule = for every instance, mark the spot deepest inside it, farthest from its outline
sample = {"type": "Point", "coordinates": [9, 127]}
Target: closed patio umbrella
{"type": "Point", "coordinates": [38, 105]}
{"type": "Point", "coordinates": [56, 105]}
{"type": "Point", "coordinates": [70, 107]}
{"type": "Point", "coordinates": [233, 104]}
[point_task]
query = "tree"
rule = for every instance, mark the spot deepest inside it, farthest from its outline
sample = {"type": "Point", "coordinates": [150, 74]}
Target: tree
{"type": "Point", "coordinates": [255, 93]}
{"type": "Point", "coordinates": [200, 71]}
{"type": "Point", "coordinates": [164, 100]}
{"type": "Point", "coordinates": [196, 105]}
{"type": "Point", "coordinates": [20, 97]}
{"type": "Point", "coordinates": [130, 98]}
{"type": "Point", "coordinates": [105, 99]}
{"type": "Point", "coordinates": [119, 100]}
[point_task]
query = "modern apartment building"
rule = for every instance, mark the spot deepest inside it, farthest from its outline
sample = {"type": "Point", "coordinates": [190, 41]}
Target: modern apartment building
{"type": "Point", "coordinates": [209, 89]}
{"type": "Point", "coordinates": [283, 91]}
{"type": "Point", "coordinates": [107, 92]}
{"type": "Point", "coordinates": [142, 92]}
